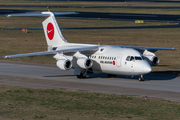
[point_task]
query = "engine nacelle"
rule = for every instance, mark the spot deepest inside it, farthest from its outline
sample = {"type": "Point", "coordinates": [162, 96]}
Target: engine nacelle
{"type": "Point", "coordinates": [64, 64]}
{"type": "Point", "coordinates": [151, 58]}
{"type": "Point", "coordinates": [85, 63]}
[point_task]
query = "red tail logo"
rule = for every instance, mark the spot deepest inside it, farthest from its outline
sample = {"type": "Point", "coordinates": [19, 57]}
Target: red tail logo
{"type": "Point", "coordinates": [50, 31]}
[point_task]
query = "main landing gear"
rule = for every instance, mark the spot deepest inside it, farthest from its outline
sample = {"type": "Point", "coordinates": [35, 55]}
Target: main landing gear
{"type": "Point", "coordinates": [82, 74]}
{"type": "Point", "coordinates": [141, 78]}
{"type": "Point", "coordinates": [111, 75]}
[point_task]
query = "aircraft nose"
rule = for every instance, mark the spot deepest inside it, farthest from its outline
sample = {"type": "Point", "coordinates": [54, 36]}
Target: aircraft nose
{"type": "Point", "coordinates": [147, 69]}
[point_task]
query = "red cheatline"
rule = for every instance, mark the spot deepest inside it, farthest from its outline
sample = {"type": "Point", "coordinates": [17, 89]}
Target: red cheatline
{"type": "Point", "coordinates": [114, 63]}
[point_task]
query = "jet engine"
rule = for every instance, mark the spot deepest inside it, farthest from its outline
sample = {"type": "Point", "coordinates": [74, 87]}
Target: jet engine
{"type": "Point", "coordinates": [64, 64]}
{"type": "Point", "coordinates": [151, 58]}
{"type": "Point", "coordinates": [85, 63]}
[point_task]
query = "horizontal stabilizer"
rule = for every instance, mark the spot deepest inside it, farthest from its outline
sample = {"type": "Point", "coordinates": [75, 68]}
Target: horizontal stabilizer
{"type": "Point", "coordinates": [39, 14]}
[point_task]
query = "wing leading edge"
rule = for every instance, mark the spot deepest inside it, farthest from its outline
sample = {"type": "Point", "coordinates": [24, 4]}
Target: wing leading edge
{"type": "Point", "coordinates": [153, 49]}
{"type": "Point", "coordinates": [39, 14]}
{"type": "Point", "coordinates": [63, 49]}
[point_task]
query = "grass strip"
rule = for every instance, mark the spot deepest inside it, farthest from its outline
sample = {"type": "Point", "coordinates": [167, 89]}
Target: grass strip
{"type": "Point", "coordinates": [22, 103]}
{"type": "Point", "coordinates": [86, 3]}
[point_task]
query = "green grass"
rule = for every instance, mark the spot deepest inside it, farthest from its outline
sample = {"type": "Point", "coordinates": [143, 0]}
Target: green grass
{"type": "Point", "coordinates": [22, 103]}
{"type": "Point", "coordinates": [33, 22]}
{"type": "Point", "coordinates": [83, 3]}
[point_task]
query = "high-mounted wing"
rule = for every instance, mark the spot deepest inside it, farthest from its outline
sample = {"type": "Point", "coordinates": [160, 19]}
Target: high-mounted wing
{"type": "Point", "coordinates": [152, 49]}
{"type": "Point", "coordinates": [63, 49]}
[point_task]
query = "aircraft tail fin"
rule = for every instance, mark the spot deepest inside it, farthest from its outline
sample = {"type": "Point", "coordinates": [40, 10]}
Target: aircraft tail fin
{"type": "Point", "coordinates": [52, 31]}
{"type": "Point", "coordinates": [53, 34]}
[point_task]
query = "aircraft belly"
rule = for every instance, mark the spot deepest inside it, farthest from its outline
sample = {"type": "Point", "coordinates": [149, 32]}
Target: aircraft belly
{"type": "Point", "coordinates": [96, 67]}
{"type": "Point", "coordinates": [107, 67]}
{"type": "Point", "coordinates": [112, 69]}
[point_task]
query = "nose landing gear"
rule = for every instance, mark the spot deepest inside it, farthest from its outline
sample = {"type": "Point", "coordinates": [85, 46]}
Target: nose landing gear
{"type": "Point", "coordinates": [141, 78]}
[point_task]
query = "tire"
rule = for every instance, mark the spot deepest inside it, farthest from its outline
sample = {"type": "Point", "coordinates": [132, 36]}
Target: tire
{"type": "Point", "coordinates": [81, 76]}
{"type": "Point", "coordinates": [109, 75]}
{"type": "Point", "coordinates": [141, 79]}
{"type": "Point", "coordinates": [114, 75]}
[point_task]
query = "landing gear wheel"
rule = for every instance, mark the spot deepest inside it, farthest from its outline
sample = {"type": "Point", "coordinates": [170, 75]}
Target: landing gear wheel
{"type": "Point", "coordinates": [141, 78]}
{"type": "Point", "coordinates": [79, 76]}
{"type": "Point", "coordinates": [82, 74]}
{"type": "Point", "coordinates": [111, 75]}
{"type": "Point", "coordinates": [114, 75]}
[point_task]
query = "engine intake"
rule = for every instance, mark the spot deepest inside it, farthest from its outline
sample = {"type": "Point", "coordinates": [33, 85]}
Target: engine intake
{"type": "Point", "coordinates": [85, 63]}
{"type": "Point", "coordinates": [153, 60]}
{"type": "Point", "coordinates": [64, 64]}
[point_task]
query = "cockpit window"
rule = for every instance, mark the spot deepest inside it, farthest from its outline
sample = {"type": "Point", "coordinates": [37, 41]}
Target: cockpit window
{"type": "Point", "coordinates": [131, 58]}
{"type": "Point", "coordinates": [138, 58]}
{"type": "Point", "coordinates": [128, 58]}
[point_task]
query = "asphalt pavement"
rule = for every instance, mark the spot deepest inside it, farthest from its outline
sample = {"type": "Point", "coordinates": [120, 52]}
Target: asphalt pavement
{"type": "Point", "coordinates": [107, 16]}
{"type": "Point", "coordinates": [42, 76]}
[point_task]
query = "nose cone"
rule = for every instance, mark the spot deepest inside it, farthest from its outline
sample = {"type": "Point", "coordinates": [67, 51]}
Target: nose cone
{"type": "Point", "coordinates": [147, 69]}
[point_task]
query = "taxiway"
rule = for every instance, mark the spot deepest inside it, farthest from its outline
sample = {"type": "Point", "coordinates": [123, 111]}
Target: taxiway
{"type": "Point", "coordinates": [157, 85]}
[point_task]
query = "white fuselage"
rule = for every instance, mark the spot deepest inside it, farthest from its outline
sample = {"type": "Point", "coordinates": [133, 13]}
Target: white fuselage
{"type": "Point", "coordinates": [113, 60]}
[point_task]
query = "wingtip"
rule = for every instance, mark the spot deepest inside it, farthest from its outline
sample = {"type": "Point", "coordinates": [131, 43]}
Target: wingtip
{"type": "Point", "coordinates": [174, 48]}
{"type": "Point", "coordinates": [6, 56]}
{"type": "Point", "coordinates": [8, 16]}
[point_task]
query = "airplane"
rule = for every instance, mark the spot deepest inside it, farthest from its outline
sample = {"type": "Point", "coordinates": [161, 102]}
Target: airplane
{"type": "Point", "coordinates": [112, 60]}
